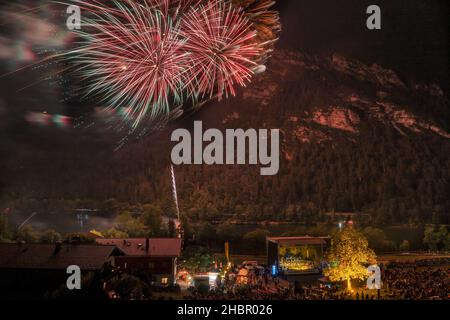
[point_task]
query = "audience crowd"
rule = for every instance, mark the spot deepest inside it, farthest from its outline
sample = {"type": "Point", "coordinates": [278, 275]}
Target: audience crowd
{"type": "Point", "coordinates": [418, 280]}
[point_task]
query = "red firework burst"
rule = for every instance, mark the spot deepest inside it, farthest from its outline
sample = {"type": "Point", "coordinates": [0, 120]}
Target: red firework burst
{"type": "Point", "coordinates": [149, 56]}
{"type": "Point", "coordinates": [173, 8]}
{"type": "Point", "coordinates": [222, 49]}
{"type": "Point", "coordinates": [134, 58]}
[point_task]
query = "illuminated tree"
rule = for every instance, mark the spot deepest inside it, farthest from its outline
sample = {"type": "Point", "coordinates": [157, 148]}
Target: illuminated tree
{"type": "Point", "coordinates": [349, 256]}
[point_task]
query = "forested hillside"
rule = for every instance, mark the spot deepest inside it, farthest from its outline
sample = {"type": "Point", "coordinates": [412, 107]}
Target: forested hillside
{"type": "Point", "coordinates": [354, 138]}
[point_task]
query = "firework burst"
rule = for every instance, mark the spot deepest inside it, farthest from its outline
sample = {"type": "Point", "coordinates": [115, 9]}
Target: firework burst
{"type": "Point", "coordinates": [133, 58]}
{"type": "Point", "coordinates": [266, 22]}
{"type": "Point", "coordinates": [152, 56]}
{"type": "Point", "coordinates": [222, 47]}
{"type": "Point", "coordinates": [173, 8]}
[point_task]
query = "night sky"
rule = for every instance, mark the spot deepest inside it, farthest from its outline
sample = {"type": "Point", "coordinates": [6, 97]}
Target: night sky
{"type": "Point", "coordinates": [413, 39]}
{"type": "Point", "coordinates": [413, 42]}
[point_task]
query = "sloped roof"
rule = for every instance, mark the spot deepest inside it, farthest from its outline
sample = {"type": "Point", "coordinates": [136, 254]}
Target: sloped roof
{"type": "Point", "coordinates": [45, 256]}
{"type": "Point", "coordinates": [306, 240]}
{"type": "Point", "coordinates": [157, 247]}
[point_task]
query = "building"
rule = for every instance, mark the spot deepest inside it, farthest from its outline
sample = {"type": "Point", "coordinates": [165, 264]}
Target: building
{"type": "Point", "coordinates": [37, 271]}
{"type": "Point", "coordinates": [296, 255]}
{"type": "Point", "coordinates": [157, 256]}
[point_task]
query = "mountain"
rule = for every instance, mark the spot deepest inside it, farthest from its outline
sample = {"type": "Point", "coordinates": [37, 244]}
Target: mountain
{"type": "Point", "coordinates": [333, 92]}
{"type": "Point", "coordinates": [355, 137]}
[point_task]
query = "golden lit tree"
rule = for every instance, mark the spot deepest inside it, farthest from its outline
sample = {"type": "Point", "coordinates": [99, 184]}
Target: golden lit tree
{"type": "Point", "coordinates": [349, 256]}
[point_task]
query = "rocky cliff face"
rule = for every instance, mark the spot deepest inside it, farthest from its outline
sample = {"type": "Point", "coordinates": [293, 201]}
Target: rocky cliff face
{"type": "Point", "coordinates": [319, 97]}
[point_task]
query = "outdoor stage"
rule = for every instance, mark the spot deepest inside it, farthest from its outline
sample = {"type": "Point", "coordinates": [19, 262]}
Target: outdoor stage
{"type": "Point", "coordinates": [296, 256]}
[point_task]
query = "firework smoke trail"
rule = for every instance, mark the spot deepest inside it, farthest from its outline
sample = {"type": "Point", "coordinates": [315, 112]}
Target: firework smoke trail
{"type": "Point", "coordinates": [221, 44]}
{"type": "Point", "coordinates": [175, 194]}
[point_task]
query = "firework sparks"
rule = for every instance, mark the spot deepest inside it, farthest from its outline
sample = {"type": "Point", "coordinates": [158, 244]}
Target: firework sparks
{"type": "Point", "coordinates": [265, 21]}
{"type": "Point", "coordinates": [221, 44]}
{"type": "Point", "coordinates": [152, 56]}
{"type": "Point", "coordinates": [173, 8]}
{"type": "Point", "coordinates": [133, 58]}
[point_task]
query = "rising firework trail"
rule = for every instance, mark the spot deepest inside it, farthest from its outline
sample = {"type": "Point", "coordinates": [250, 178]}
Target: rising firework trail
{"type": "Point", "coordinates": [26, 220]}
{"type": "Point", "coordinates": [175, 194]}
